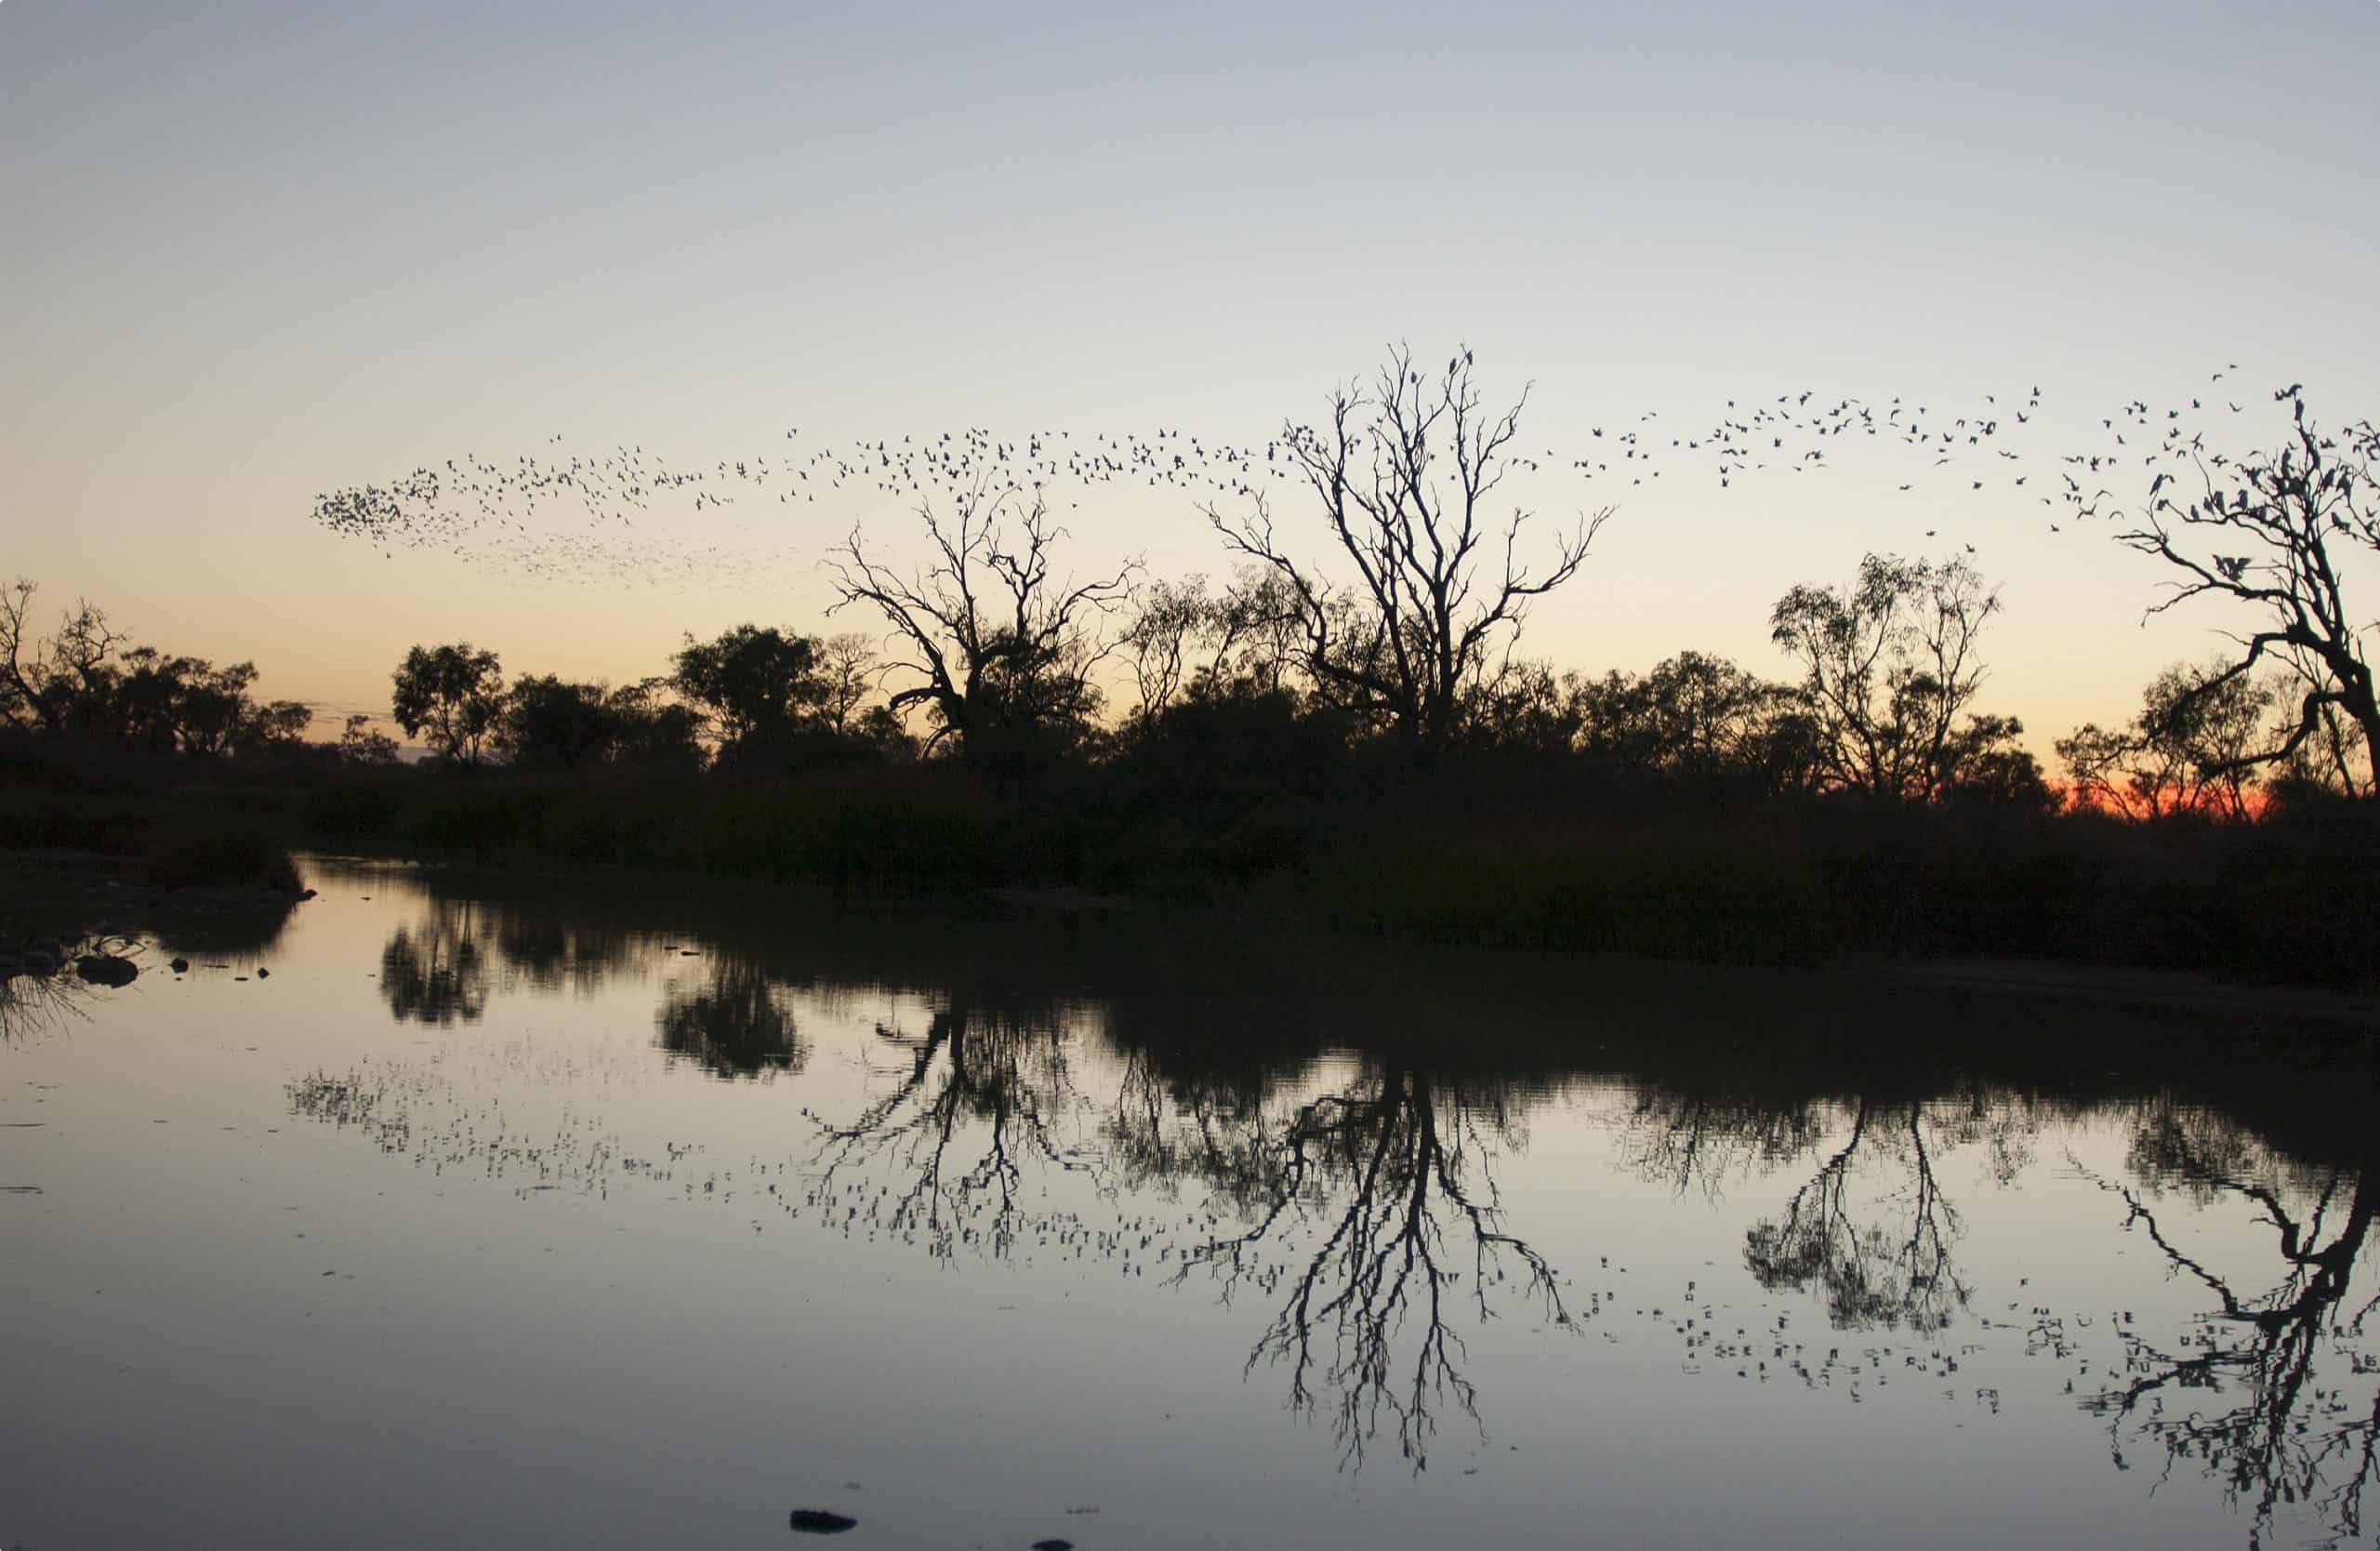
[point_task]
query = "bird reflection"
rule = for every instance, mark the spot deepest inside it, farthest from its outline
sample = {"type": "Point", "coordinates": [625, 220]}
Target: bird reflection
{"type": "Point", "coordinates": [1346, 1202]}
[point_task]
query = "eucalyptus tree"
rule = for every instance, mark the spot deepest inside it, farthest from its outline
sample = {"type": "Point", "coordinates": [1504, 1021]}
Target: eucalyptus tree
{"type": "Point", "coordinates": [1889, 666]}
{"type": "Point", "coordinates": [453, 693]}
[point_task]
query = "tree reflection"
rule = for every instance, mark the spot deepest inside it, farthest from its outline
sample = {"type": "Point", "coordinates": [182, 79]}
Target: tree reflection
{"type": "Point", "coordinates": [1392, 1172]}
{"type": "Point", "coordinates": [984, 1093]}
{"type": "Point", "coordinates": [1891, 1271]}
{"type": "Point", "coordinates": [1700, 1140]}
{"type": "Point", "coordinates": [2289, 1435]}
{"type": "Point", "coordinates": [435, 972]}
{"type": "Point", "coordinates": [442, 969]}
{"type": "Point", "coordinates": [550, 953]}
{"type": "Point", "coordinates": [33, 1001]}
{"type": "Point", "coordinates": [736, 1025]}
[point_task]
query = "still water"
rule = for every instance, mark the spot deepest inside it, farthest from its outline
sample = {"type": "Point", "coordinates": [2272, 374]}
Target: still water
{"type": "Point", "coordinates": [453, 1212]}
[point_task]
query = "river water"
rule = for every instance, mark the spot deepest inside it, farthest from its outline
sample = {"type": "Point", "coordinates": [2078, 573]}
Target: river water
{"type": "Point", "coordinates": [452, 1211]}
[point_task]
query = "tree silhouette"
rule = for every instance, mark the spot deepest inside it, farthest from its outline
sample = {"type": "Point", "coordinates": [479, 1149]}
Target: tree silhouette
{"type": "Point", "coordinates": [453, 693]}
{"type": "Point", "coordinates": [753, 683]}
{"type": "Point", "coordinates": [2287, 510]}
{"type": "Point", "coordinates": [1889, 665]}
{"type": "Point", "coordinates": [1403, 475]}
{"type": "Point", "coordinates": [1003, 648]}
{"type": "Point", "coordinates": [2186, 752]}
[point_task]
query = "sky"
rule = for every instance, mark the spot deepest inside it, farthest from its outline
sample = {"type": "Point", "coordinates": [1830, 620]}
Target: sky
{"type": "Point", "coordinates": [258, 252]}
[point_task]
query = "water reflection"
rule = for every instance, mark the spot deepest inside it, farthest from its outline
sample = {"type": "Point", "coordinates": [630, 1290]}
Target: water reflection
{"type": "Point", "coordinates": [1329, 1150]}
{"type": "Point", "coordinates": [1393, 1174]}
{"type": "Point", "coordinates": [34, 1001]}
{"type": "Point", "coordinates": [735, 1023]}
{"type": "Point", "coordinates": [436, 971]}
{"type": "Point", "coordinates": [1886, 1267]}
{"type": "Point", "coordinates": [2263, 1395]}
{"type": "Point", "coordinates": [982, 1096]}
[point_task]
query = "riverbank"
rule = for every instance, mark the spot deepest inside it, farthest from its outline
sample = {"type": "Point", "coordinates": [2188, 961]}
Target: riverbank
{"type": "Point", "coordinates": [1519, 861]}
{"type": "Point", "coordinates": [1570, 867]}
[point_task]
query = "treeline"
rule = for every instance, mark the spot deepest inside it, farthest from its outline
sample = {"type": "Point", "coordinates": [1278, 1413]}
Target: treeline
{"type": "Point", "coordinates": [1346, 727]}
{"type": "Point", "coordinates": [87, 681]}
{"type": "Point", "coordinates": [1212, 681]}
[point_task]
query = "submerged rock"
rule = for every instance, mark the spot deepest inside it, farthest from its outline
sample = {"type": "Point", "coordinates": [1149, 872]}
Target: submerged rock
{"type": "Point", "coordinates": [1053, 1545]}
{"type": "Point", "coordinates": [179, 966]}
{"type": "Point", "coordinates": [107, 969]}
{"type": "Point", "coordinates": [819, 1521]}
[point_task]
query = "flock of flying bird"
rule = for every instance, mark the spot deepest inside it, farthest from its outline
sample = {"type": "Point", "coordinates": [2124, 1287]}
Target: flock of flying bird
{"type": "Point", "coordinates": [620, 515]}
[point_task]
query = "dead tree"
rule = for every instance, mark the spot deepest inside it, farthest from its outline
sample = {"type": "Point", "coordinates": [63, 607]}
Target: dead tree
{"type": "Point", "coordinates": [1404, 475]}
{"type": "Point", "coordinates": [2286, 511]}
{"type": "Point", "coordinates": [999, 643]}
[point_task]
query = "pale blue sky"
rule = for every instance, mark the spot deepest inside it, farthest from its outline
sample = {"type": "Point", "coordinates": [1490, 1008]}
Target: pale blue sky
{"type": "Point", "coordinates": [258, 251]}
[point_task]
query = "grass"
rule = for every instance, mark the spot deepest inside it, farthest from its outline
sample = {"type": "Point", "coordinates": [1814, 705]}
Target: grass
{"type": "Point", "coordinates": [165, 841]}
{"type": "Point", "coordinates": [1483, 856]}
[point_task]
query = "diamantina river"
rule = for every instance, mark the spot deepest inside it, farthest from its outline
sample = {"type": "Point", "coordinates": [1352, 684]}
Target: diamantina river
{"type": "Point", "coordinates": [454, 1211]}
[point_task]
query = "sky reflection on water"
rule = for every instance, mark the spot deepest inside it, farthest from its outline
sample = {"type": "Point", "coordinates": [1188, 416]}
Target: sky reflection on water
{"type": "Point", "coordinates": [501, 1213]}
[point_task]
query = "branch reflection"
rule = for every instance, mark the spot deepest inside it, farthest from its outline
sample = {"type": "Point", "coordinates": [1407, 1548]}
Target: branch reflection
{"type": "Point", "coordinates": [2257, 1396]}
{"type": "Point", "coordinates": [1393, 1174]}
{"type": "Point", "coordinates": [986, 1091]}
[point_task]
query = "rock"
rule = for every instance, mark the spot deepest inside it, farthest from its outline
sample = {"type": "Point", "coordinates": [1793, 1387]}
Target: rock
{"type": "Point", "coordinates": [39, 961]}
{"type": "Point", "coordinates": [818, 1521]}
{"type": "Point", "coordinates": [263, 973]}
{"type": "Point", "coordinates": [304, 894]}
{"type": "Point", "coordinates": [179, 966]}
{"type": "Point", "coordinates": [106, 969]}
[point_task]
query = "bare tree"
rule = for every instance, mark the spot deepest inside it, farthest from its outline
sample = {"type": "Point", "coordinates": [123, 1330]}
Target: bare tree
{"type": "Point", "coordinates": [1889, 664]}
{"type": "Point", "coordinates": [1403, 475]}
{"type": "Point", "coordinates": [1001, 644]}
{"type": "Point", "coordinates": [2286, 510]}
{"type": "Point", "coordinates": [49, 681]}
